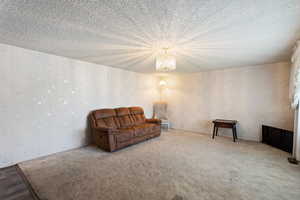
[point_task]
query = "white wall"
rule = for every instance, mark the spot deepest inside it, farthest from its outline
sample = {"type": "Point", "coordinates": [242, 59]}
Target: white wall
{"type": "Point", "coordinates": [296, 142]}
{"type": "Point", "coordinates": [252, 95]}
{"type": "Point", "coordinates": [45, 100]}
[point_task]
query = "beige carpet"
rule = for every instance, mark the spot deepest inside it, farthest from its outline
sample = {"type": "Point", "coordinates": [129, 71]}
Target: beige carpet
{"type": "Point", "coordinates": [177, 165]}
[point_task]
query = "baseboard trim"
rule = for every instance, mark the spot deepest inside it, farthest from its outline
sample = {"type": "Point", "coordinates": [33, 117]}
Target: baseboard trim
{"type": "Point", "coordinates": [227, 136]}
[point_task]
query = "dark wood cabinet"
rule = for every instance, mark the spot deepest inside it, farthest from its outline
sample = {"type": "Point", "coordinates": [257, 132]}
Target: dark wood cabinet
{"type": "Point", "coordinates": [279, 138]}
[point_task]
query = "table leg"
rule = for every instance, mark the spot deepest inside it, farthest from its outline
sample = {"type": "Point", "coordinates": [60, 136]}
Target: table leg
{"type": "Point", "coordinates": [217, 129]}
{"type": "Point", "coordinates": [213, 136]}
{"type": "Point", "coordinates": [233, 134]}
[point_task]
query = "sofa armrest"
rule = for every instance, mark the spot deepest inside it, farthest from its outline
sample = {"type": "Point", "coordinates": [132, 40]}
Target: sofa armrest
{"type": "Point", "coordinates": [154, 121]}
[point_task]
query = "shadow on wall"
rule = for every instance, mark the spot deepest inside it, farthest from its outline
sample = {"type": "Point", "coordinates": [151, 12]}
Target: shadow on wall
{"type": "Point", "coordinates": [88, 130]}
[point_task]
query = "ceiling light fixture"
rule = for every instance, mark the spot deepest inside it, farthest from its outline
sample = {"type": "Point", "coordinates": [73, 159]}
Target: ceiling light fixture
{"type": "Point", "coordinates": [165, 61]}
{"type": "Point", "coordinates": [162, 83]}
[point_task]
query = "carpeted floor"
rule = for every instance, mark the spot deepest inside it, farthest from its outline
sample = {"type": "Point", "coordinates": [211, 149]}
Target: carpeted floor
{"type": "Point", "coordinates": [176, 166]}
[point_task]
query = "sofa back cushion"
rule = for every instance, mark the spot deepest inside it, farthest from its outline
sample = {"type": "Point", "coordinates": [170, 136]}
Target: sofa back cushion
{"type": "Point", "coordinates": [124, 117]}
{"type": "Point", "coordinates": [106, 118]}
{"type": "Point", "coordinates": [137, 114]}
{"type": "Point", "coordinates": [119, 117]}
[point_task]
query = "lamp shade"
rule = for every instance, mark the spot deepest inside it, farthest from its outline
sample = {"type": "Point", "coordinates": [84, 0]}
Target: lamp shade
{"type": "Point", "coordinates": [165, 62]}
{"type": "Point", "coordinates": [162, 83]}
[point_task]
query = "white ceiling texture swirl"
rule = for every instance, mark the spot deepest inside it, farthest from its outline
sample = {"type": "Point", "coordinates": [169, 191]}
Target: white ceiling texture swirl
{"type": "Point", "coordinates": [203, 34]}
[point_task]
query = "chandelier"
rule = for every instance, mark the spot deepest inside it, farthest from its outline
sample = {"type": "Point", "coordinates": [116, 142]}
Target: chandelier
{"type": "Point", "coordinates": [165, 61]}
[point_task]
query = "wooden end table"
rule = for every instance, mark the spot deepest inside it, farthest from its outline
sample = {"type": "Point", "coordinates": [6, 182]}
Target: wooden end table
{"type": "Point", "coordinates": [223, 123]}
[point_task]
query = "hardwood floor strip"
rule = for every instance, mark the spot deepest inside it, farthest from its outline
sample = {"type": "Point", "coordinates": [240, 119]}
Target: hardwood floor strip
{"type": "Point", "coordinates": [33, 193]}
{"type": "Point", "coordinates": [14, 185]}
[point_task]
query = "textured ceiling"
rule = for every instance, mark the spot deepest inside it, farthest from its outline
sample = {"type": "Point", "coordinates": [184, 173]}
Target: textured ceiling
{"type": "Point", "coordinates": [204, 34]}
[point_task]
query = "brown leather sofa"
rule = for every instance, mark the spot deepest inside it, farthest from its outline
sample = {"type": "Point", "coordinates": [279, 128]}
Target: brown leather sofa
{"type": "Point", "coordinates": [113, 129]}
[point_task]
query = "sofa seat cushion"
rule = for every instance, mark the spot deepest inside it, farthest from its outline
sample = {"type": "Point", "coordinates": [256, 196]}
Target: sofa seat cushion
{"type": "Point", "coordinates": [125, 134]}
{"type": "Point", "coordinates": [156, 128]}
{"type": "Point", "coordinates": [143, 129]}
